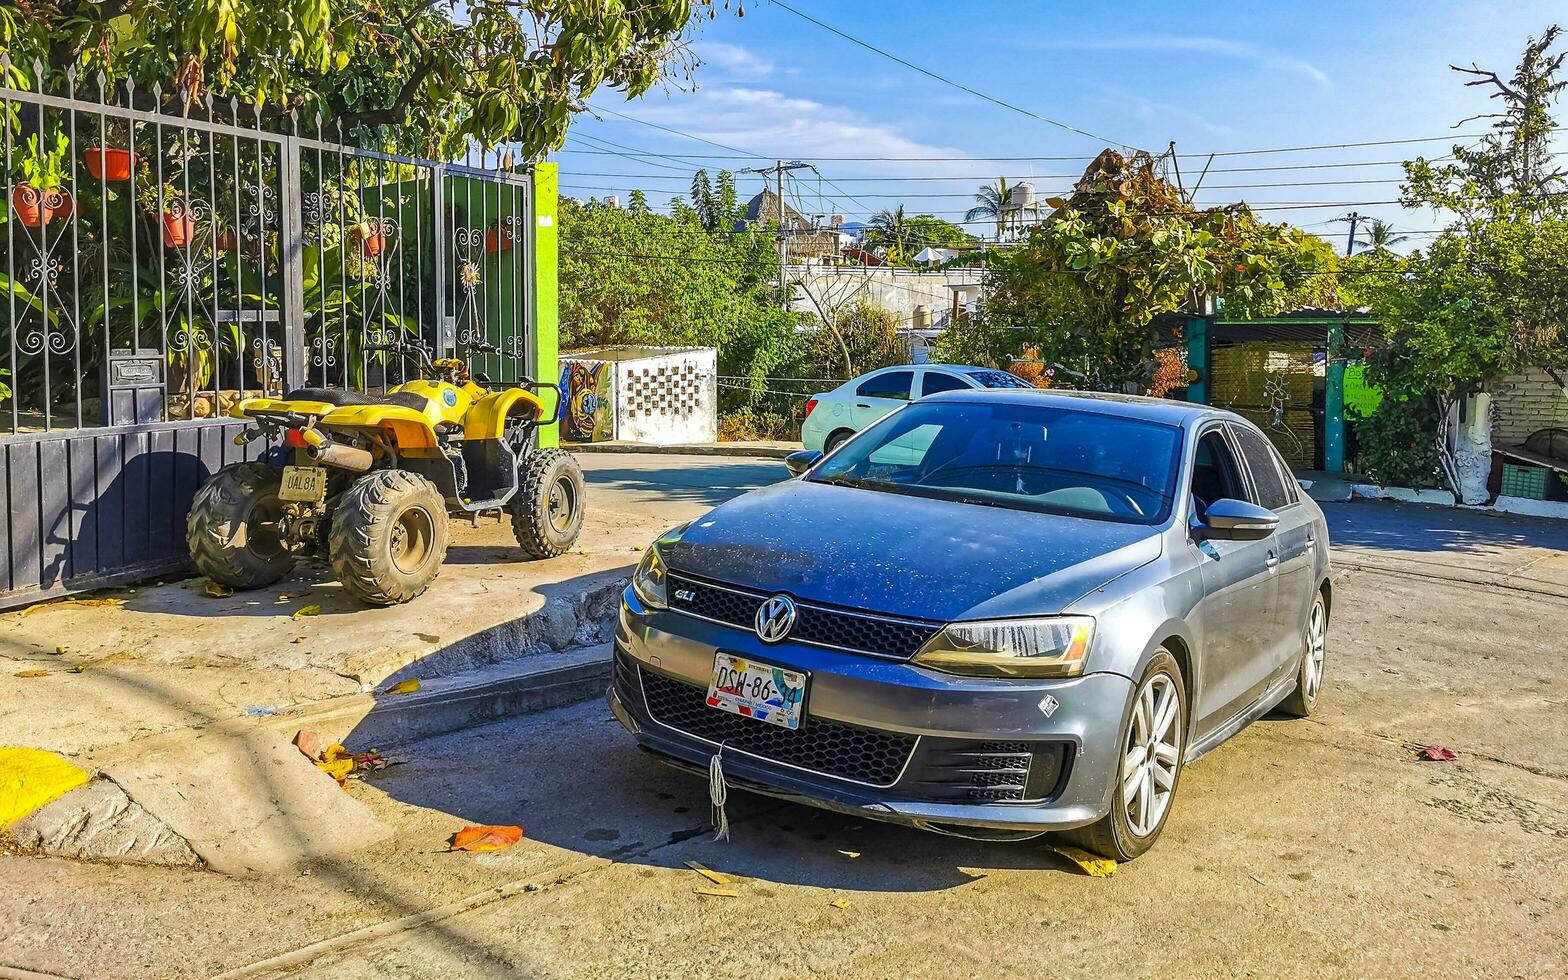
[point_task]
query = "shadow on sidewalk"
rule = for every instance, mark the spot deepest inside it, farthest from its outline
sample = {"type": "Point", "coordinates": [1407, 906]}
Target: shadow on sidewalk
{"type": "Point", "coordinates": [574, 779]}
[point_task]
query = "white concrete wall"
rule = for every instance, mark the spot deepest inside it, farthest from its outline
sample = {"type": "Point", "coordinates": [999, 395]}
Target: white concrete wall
{"type": "Point", "coordinates": [899, 290]}
{"type": "Point", "coordinates": [667, 399]}
{"type": "Point", "coordinates": [1524, 403]}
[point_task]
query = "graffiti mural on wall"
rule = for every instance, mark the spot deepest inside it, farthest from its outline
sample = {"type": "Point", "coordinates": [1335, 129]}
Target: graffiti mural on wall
{"type": "Point", "coordinates": [585, 391]}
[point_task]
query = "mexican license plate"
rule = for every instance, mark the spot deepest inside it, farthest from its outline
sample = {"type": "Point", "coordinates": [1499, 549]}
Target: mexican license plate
{"type": "Point", "coordinates": [757, 690]}
{"type": "Point", "coordinates": [308, 483]}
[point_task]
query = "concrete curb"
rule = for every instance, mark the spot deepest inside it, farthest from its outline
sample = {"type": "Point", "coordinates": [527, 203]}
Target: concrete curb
{"type": "Point", "coordinates": [748, 450]}
{"type": "Point", "coordinates": [449, 704]}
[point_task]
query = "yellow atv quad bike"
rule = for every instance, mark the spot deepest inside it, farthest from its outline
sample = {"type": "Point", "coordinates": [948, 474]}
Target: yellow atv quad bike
{"type": "Point", "coordinates": [367, 481]}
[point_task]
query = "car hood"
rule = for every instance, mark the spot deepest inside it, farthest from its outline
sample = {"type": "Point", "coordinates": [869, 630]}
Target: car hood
{"type": "Point", "coordinates": [905, 555]}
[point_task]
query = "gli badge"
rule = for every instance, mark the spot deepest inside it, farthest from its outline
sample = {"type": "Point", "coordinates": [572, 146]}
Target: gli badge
{"type": "Point", "coordinates": [450, 397]}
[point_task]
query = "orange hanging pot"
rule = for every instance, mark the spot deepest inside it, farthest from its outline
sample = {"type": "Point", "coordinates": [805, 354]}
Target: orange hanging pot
{"type": "Point", "coordinates": [179, 227]}
{"type": "Point", "coordinates": [372, 241]}
{"type": "Point", "coordinates": [110, 163]}
{"type": "Point", "coordinates": [36, 208]}
{"type": "Point", "coordinates": [497, 241]}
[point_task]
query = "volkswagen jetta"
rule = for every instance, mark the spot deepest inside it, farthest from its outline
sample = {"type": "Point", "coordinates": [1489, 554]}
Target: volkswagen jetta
{"type": "Point", "coordinates": [992, 613]}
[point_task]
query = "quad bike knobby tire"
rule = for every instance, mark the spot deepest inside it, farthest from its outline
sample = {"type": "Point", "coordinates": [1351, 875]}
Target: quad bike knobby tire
{"type": "Point", "coordinates": [388, 537]}
{"type": "Point", "coordinates": [547, 510]}
{"type": "Point", "coordinates": [232, 527]}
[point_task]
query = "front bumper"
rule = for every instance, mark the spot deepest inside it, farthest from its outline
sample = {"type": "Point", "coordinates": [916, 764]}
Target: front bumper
{"type": "Point", "coordinates": [882, 739]}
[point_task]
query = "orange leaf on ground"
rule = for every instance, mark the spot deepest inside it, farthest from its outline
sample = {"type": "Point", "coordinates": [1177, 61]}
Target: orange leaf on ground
{"type": "Point", "coordinates": [485, 838]}
{"type": "Point", "coordinates": [404, 687]}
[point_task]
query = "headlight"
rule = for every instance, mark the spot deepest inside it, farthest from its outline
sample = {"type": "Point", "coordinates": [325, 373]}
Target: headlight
{"type": "Point", "coordinates": [649, 579]}
{"type": "Point", "coordinates": [1055, 647]}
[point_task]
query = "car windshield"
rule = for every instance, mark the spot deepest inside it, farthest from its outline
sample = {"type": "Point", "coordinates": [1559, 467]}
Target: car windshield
{"type": "Point", "coordinates": [1026, 457]}
{"type": "Point", "coordinates": [997, 379]}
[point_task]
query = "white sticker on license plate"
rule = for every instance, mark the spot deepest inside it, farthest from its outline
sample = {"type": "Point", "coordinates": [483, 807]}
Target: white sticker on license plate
{"type": "Point", "coordinates": [757, 690]}
{"type": "Point", "coordinates": [307, 483]}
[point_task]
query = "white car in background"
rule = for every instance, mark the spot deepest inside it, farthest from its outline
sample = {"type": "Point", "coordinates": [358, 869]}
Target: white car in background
{"type": "Point", "coordinates": [833, 416]}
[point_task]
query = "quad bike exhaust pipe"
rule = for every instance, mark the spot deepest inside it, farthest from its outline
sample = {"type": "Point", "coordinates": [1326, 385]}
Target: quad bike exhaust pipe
{"type": "Point", "coordinates": [343, 457]}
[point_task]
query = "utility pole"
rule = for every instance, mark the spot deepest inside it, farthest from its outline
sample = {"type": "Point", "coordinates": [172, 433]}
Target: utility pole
{"type": "Point", "coordinates": [778, 170]}
{"type": "Point", "coordinates": [1350, 243]}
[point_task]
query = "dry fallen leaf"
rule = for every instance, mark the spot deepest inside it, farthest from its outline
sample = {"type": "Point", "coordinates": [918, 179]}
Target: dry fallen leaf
{"type": "Point", "coordinates": [310, 610]}
{"type": "Point", "coordinates": [840, 903]}
{"type": "Point", "coordinates": [291, 596]}
{"type": "Point", "coordinates": [1094, 867]}
{"type": "Point", "coordinates": [485, 838]}
{"type": "Point", "coordinates": [33, 673]}
{"type": "Point", "coordinates": [719, 892]}
{"type": "Point", "coordinates": [850, 854]}
{"type": "Point", "coordinates": [217, 589]}
{"type": "Point", "coordinates": [404, 687]}
{"type": "Point", "coordinates": [336, 762]}
{"type": "Point", "coordinates": [107, 601]}
{"type": "Point", "coordinates": [708, 873]}
{"type": "Point", "coordinates": [309, 743]}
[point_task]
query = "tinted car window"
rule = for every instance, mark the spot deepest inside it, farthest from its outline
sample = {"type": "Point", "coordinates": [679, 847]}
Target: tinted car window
{"type": "Point", "coordinates": [1215, 475]}
{"type": "Point", "coordinates": [936, 381]}
{"type": "Point", "coordinates": [998, 379]}
{"type": "Point", "coordinates": [1259, 455]}
{"type": "Point", "coordinates": [1025, 457]}
{"type": "Point", "coordinates": [894, 384]}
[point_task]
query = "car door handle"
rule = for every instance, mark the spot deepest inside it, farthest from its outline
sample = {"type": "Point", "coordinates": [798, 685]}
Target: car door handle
{"type": "Point", "coordinates": [861, 405]}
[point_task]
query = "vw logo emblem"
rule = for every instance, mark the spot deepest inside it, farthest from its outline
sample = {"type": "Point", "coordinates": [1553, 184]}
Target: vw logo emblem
{"type": "Point", "coordinates": [775, 618]}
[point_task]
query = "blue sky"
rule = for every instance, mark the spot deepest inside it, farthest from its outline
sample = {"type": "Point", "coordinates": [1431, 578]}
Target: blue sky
{"type": "Point", "coordinates": [1213, 76]}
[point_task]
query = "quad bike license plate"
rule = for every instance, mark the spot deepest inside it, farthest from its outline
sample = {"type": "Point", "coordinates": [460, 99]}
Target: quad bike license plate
{"type": "Point", "coordinates": [307, 483]}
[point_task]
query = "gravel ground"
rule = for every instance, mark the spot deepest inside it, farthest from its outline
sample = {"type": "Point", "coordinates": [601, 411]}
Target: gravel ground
{"type": "Point", "coordinates": [1300, 848]}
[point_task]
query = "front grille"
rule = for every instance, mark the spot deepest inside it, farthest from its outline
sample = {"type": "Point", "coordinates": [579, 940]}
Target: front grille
{"type": "Point", "coordinates": [827, 747]}
{"type": "Point", "coordinates": [816, 624]}
{"type": "Point", "coordinates": [986, 772]}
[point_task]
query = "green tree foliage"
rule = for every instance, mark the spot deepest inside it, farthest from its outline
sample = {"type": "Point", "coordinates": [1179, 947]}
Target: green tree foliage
{"type": "Point", "coordinates": [1086, 284]}
{"type": "Point", "coordinates": [441, 72]}
{"type": "Point", "coordinates": [643, 278]}
{"type": "Point", "coordinates": [928, 229]}
{"type": "Point", "coordinates": [902, 236]}
{"type": "Point", "coordinates": [1489, 297]}
{"type": "Point", "coordinates": [994, 202]}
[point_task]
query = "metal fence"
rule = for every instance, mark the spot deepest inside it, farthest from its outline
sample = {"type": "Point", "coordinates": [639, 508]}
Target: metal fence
{"type": "Point", "coordinates": [164, 258]}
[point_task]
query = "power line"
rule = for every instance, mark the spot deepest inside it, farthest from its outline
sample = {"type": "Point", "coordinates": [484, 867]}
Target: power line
{"type": "Point", "coordinates": [948, 81]}
{"type": "Point", "coordinates": [1454, 138]}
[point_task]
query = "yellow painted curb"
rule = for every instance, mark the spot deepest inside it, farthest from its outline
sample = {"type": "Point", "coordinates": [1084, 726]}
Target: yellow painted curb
{"type": "Point", "coordinates": [29, 778]}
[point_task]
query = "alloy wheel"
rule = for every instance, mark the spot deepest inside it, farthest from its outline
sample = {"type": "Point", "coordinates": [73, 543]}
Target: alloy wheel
{"type": "Point", "coordinates": [1152, 754]}
{"type": "Point", "coordinates": [1312, 668]}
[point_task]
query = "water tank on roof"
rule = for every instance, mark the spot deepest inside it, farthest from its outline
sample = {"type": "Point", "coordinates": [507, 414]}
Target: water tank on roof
{"type": "Point", "coordinates": [1022, 195]}
{"type": "Point", "coordinates": [922, 317]}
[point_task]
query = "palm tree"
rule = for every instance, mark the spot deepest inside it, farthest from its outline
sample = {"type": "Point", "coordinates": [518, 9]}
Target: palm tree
{"type": "Point", "coordinates": [995, 202]}
{"type": "Point", "coordinates": [889, 228]}
{"type": "Point", "coordinates": [1379, 236]}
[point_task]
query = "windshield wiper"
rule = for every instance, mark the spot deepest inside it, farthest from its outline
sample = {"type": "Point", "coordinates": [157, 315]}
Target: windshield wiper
{"type": "Point", "coordinates": [859, 484]}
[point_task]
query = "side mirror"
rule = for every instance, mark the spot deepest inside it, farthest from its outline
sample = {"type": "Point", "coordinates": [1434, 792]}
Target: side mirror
{"type": "Point", "coordinates": [1237, 520]}
{"type": "Point", "coordinates": [802, 460]}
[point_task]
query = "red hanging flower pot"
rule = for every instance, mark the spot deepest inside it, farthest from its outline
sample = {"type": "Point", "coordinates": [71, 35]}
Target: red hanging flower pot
{"type": "Point", "coordinates": [371, 239]}
{"type": "Point", "coordinates": [110, 162]}
{"type": "Point", "coordinates": [226, 242]}
{"type": "Point", "coordinates": [36, 208]}
{"type": "Point", "coordinates": [179, 227]}
{"type": "Point", "coordinates": [497, 241]}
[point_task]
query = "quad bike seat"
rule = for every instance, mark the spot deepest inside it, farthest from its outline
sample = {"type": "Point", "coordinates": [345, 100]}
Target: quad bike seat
{"type": "Point", "coordinates": [341, 398]}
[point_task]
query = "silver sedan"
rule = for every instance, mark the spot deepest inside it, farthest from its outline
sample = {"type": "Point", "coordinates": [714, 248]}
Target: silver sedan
{"type": "Point", "coordinates": [992, 613]}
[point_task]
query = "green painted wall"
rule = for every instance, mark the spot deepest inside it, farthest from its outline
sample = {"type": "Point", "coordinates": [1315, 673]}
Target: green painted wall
{"type": "Point", "coordinates": [547, 287]}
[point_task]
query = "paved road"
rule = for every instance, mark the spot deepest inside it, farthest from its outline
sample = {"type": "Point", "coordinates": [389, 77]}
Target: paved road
{"type": "Point", "coordinates": [1299, 848]}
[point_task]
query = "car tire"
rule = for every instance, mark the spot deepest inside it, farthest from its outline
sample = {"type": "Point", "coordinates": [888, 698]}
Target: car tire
{"type": "Point", "coordinates": [1140, 809]}
{"type": "Point", "coordinates": [1303, 701]}
{"type": "Point", "coordinates": [389, 535]}
{"type": "Point", "coordinates": [231, 528]}
{"type": "Point", "coordinates": [835, 440]}
{"type": "Point", "coordinates": [547, 510]}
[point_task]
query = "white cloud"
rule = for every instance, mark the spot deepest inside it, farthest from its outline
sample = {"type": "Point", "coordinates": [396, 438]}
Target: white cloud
{"type": "Point", "coordinates": [764, 121]}
{"type": "Point", "coordinates": [1238, 50]}
{"type": "Point", "coordinates": [732, 60]}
